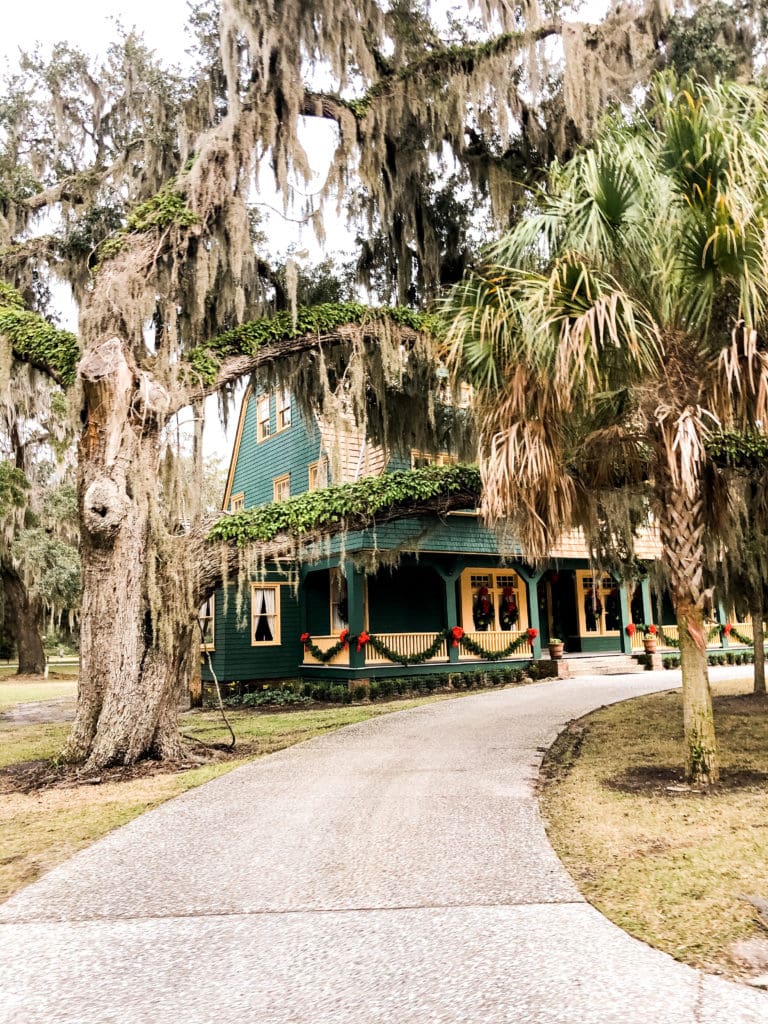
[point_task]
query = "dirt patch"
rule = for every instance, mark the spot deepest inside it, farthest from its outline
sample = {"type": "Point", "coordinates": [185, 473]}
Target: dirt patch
{"type": "Point", "coordinates": [63, 677]}
{"type": "Point", "coordinates": [671, 782]}
{"type": "Point", "coordinates": [39, 775]}
{"type": "Point", "coordinates": [564, 752]}
{"type": "Point", "coordinates": [38, 712]}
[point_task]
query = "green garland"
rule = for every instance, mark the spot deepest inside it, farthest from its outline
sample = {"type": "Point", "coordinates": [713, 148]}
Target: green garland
{"type": "Point", "coordinates": [413, 659]}
{"type": "Point", "coordinates": [423, 656]}
{"type": "Point", "coordinates": [474, 648]}
{"type": "Point", "coordinates": [325, 656]}
{"type": "Point", "coordinates": [715, 631]}
{"type": "Point", "coordinates": [741, 638]}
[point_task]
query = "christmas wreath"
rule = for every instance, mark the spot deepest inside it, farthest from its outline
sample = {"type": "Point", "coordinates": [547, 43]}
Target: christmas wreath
{"type": "Point", "coordinates": [508, 611]}
{"type": "Point", "coordinates": [482, 612]}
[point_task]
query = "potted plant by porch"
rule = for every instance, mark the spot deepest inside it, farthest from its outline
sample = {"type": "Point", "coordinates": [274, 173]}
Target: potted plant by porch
{"type": "Point", "coordinates": [650, 638]}
{"type": "Point", "coordinates": [556, 648]}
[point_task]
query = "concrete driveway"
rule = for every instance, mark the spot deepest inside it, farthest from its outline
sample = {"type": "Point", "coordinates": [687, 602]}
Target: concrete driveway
{"type": "Point", "coordinates": [394, 872]}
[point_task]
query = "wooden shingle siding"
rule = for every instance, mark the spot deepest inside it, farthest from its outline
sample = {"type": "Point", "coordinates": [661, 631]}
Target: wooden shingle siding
{"type": "Point", "coordinates": [350, 458]}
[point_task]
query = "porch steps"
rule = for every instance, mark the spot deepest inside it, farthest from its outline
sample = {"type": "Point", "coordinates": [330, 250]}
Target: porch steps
{"type": "Point", "coordinates": [602, 665]}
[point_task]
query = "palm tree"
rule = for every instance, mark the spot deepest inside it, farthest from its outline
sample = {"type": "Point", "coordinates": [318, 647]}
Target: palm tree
{"type": "Point", "coordinates": [615, 329]}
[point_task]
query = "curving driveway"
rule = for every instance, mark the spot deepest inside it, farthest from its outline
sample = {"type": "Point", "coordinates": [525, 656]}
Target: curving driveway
{"type": "Point", "coordinates": [394, 872]}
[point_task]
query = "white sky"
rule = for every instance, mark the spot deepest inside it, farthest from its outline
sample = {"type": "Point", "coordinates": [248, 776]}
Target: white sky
{"type": "Point", "coordinates": [90, 24]}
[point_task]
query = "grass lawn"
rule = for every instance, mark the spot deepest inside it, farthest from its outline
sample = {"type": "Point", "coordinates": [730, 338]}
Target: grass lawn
{"type": "Point", "coordinates": [669, 865]}
{"type": "Point", "coordinates": [44, 827]}
{"type": "Point", "coordinates": [12, 692]}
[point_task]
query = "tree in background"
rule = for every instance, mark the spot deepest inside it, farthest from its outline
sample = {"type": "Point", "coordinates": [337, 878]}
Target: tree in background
{"type": "Point", "coordinates": [134, 184]}
{"type": "Point", "coordinates": [615, 330]}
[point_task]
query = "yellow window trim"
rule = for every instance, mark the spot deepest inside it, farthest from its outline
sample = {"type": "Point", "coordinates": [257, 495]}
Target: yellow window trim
{"type": "Point", "coordinates": [314, 468]}
{"type": "Point", "coordinates": [277, 482]}
{"type": "Point", "coordinates": [237, 502]}
{"type": "Point", "coordinates": [261, 435]}
{"type": "Point", "coordinates": [279, 408]}
{"type": "Point", "coordinates": [468, 595]}
{"type": "Point", "coordinates": [276, 641]}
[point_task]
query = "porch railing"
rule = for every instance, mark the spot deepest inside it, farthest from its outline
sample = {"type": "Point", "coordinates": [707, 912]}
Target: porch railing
{"type": "Point", "coordinates": [497, 640]}
{"type": "Point", "coordinates": [407, 645]}
{"type": "Point", "coordinates": [324, 643]}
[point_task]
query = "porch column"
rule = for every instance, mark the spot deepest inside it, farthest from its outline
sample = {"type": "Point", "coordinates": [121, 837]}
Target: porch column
{"type": "Point", "coordinates": [451, 610]}
{"type": "Point", "coordinates": [626, 618]}
{"type": "Point", "coordinates": [532, 597]}
{"type": "Point", "coordinates": [355, 610]}
{"type": "Point", "coordinates": [303, 606]}
{"type": "Point", "coordinates": [722, 616]}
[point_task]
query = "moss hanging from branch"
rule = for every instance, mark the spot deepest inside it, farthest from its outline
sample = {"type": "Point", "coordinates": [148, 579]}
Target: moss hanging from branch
{"type": "Point", "coordinates": [248, 338]}
{"type": "Point", "coordinates": [350, 506]}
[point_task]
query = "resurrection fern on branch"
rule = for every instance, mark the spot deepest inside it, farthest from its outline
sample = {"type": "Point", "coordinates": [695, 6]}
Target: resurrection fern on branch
{"type": "Point", "coordinates": [34, 340]}
{"type": "Point", "coordinates": [249, 337]}
{"type": "Point", "coordinates": [348, 505]}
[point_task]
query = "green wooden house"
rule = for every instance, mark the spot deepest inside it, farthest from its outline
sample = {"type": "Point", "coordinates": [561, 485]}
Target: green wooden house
{"type": "Point", "coordinates": [416, 595]}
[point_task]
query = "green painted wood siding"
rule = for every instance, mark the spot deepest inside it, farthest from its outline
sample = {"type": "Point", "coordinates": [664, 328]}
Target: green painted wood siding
{"type": "Point", "coordinates": [235, 658]}
{"type": "Point", "coordinates": [290, 451]}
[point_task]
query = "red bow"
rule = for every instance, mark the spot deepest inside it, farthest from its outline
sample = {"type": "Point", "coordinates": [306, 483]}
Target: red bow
{"type": "Point", "coordinates": [727, 628]}
{"type": "Point", "coordinates": [343, 638]}
{"type": "Point", "coordinates": [457, 633]}
{"type": "Point", "coordinates": [362, 640]}
{"type": "Point", "coordinates": [305, 638]}
{"type": "Point", "coordinates": [532, 634]}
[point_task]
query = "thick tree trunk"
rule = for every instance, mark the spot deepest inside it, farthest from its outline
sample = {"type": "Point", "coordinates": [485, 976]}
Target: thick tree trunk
{"type": "Point", "coordinates": [682, 532]}
{"type": "Point", "coordinates": [129, 678]}
{"type": "Point", "coordinates": [756, 612]}
{"type": "Point", "coordinates": [21, 617]}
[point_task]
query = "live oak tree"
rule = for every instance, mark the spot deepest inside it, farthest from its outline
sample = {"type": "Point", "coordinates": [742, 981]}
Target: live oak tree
{"type": "Point", "coordinates": [134, 184]}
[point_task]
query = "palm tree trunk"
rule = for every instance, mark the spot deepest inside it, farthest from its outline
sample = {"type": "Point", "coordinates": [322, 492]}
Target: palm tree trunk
{"type": "Point", "coordinates": [701, 761]}
{"type": "Point", "coordinates": [682, 533]}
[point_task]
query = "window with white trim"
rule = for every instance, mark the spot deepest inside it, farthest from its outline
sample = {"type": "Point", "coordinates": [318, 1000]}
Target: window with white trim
{"type": "Point", "coordinates": [265, 614]}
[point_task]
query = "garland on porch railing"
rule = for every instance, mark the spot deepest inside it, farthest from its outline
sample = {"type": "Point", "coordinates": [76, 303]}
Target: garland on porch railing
{"type": "Point", "coordinates": [325, 656]}
{"type": "Point", "coordinates": [455, 634]}
{"type": "Point", "coordinates": [482, 652]}
{"type": "Point", "coordinates": [409, 659]}
{"type": "Point", "coordinates": [715, 632]}
{"type": "Point", "coordinates": [739, 636]}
